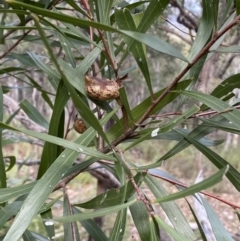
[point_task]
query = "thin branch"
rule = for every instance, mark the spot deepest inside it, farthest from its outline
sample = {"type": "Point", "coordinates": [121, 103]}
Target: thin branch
{"type": "Point", "coordinates": [192, 36]}
{"type": "Point", "coordinates": [25, 34]}
{"type": "Point", "coordinates": [190, 23]}
{"type": "Point", "coordinates": [210, 112]}
{"type": "Point", "coordinates": [101, 34]}
{"type": "Point", "coordinates": [146, 115]}
{"type": "Point", "coordinates": [140, 195]}
{"type": "Point", "coordinates": [233, 205]}
{"type": "Point", "coordinates": [172, 31]}
{"type": "Point", "coordinates": [15, 44]}
{"type": "Point", "coordinates": [68, 123]}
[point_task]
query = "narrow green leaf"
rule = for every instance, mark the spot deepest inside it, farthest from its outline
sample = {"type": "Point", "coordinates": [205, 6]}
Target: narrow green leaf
{"type": "Point", "coordinates": [153, 11]}
{"type": "Point", "coordinates": [61, 142]}
{"type": "Point", "coordinates": [156, 43]}
{"type": "Point", "coordinates": [12, 162]}
{"type": "Point", "coordinates": [230, 49]}
{"type": "Point", "coordinates": [50, 229]}
{"type": "Point", "coordinates": [103, 8]}
{"type": "Point", "coordinates": [56, 128]}
{"type": "Point", "coordinates": [118, 229]}
{"type": "Point", "coordinates": [238, 6]}
{"type": "Point", "coordinates": [125, 21]}
{"type": "Point", "coordinates": [33, 113]}
{"type": "Point", "coordinates": [81, 106]}
{"type": "Point", "coordinates": [165, 128]}
{"type": "Point", "coordinates": [70, 229]}
{"type": "Point", "coordinates": [205, 28]}
{"type": "Point", "coordinates": [210, 181]}
{"type": "Point", "coordinates": [45, 68]}
{"type": "Point", "coordinates": [39, 237]}
{"type": "Point", "coordinates": [92, 228]}
{"type": "Point", "coordinates": [216, 104]}
{"type": "Point", "coordinates": [140, 109]}
{"type": "Point", "coordinates": [9, 193]}
{"type": "Point", "coordinates": [76, 79]}
{"type": "Point", "coordinates": [219, 230]}
{"type": "Point", "coordinates": [38, 195]}
{"type": "Point", "coordinates": [27, 236]}
{"type": "Point", "coordinates": [113, 197]}
{"type": "Point", "coordinates": [223, 125]}
{"type": "Point", "coordinates": [215, 7]}
{"type": "Point", "coordinates": [197, 221]}
{"type": "Point", "coordinates": [155, 231]}
{"type": "Point", "coordinates": [228, 85]}
{"type": "Point", "coordinates": [67, 49]}
{"type": "Point", "coordinates": [168, 229]}
{"type": "Point", "coordinates": [227, 10]}
{"type": "Point", "coordinates": [8, 211]}
{"type": "Point", "coordinates": [141, 219]}
{"type": "Point", "coordinates": [3, 177]}
{"type": "Point", "coordinates": [88, 60]}
{"type": "Point", "coordinates": [96, 213]}
{"type": "Point", "coordinates": [233, 175]}
{"type": "Point", "coordinates": [172, 211]}
{"type": "Point", "coordinates": [172, 135]}
{"type": "Point", "coordinates": [125, 102]}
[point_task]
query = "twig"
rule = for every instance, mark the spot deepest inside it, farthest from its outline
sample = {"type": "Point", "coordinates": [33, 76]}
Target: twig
{"type": "Point", "coordinates": [192, 36]}
{"type": "Point", "coordinates": [140, 195]}
{"type": "Point", "coordinates": [68, 123]}
{"type": "Point", "coordinates": [186, 15]}
{"type": "Point", "coordinates": [172, 31]}
{"type": "Point", "coordinates": [146, 115]}
{"type": "Point", "coordinates": [235, 206]}
{"type": "Point", "coordinates": [25, 34]}
{"type": "Point", "coordinates": [100, 32]}
{"type": "Point", "coordinates": [211, 112]}
{"type": "Point", "coordinates": [15, 44]}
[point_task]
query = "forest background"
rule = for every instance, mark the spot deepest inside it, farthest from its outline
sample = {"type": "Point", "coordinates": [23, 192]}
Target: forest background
{"type": "Point", "coordinates": [175, 122]}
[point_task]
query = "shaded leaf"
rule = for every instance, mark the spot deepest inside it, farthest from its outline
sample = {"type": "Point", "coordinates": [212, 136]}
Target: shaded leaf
{"type": "Point", "coordinates": [233, 175]}
{"type": "Point", "coordinates": [210, 181]}
{"type": "Point", "coordinates": [219, 230]}
{"type": "Point", "coordinates": [33, 113]}
{"type": "Point", "coordinates": [113, 196]}
{"type": "Point", "coordinates": [172, 211]}
{"type": "Point", "coordinates": [96, 213]}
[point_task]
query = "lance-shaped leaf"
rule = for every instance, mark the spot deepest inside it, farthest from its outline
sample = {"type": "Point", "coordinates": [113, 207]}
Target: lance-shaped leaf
{"type": "Point", "coordinates": [140, 109]}
{"type": "Point", "coordinates": [33, 114]}
{"type": "Point", "coordinates": [3, 177]}
{"type": "Point", "coordinates": [210, 181]}
{"type": "Point", "coordinates": [56, 128]}
{"type": "Point", "coordinates": [162, 129]}
{"type": "Point", "coordinates": [233, 175]}
{"type": "Point", "coordinates": [219, 230]}
{"type": "Point", "coordinates": [220, 106]}
{"type": "Point", "coordinates": [118, 229]}
{"type": "Point", "coordinates": [96, 213]}
{"type": "Point", "coordinates": [140, 217]}
{"type": "Point", "coordinates": [113, 196]}
{"type": "Point", "coordinates": [149, 40]}
{"type": "Point", "coordinates": [168, 229]}
{"type": "Point", "coordinates": [91, 227]}
{"type": "Point", "coordinates": [125, 22]}
{"type": "Point", "coordinates": [172, 211]}
{"type": "Point", "coordinates": [38, 194]}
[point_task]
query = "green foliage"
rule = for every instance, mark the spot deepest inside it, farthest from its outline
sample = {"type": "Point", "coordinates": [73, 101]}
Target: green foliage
{"type": "Point", "coordinates": [96, 37]}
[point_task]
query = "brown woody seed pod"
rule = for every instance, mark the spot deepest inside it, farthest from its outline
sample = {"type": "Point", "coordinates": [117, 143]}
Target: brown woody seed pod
{"type": "Point", "coordinates": [101, 89]}
{"type": "Point", "coordinates": [79, 125]}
